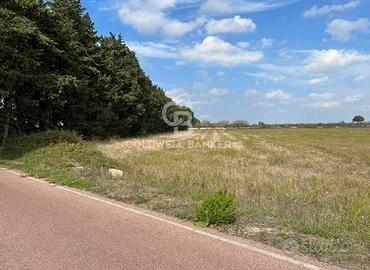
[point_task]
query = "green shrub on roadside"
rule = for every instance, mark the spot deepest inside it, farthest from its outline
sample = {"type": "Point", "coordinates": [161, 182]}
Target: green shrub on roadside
{"type": "Point", "coordinates": [42, 139]}
{"type": "Point", "coordinates": [218, 208]}
{"type": "Point", "coordinates": [55, 155]}
{"type": "Point", "coordinates": [54, 150]}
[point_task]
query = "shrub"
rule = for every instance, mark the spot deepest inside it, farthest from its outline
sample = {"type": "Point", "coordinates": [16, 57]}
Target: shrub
{"type": "Point", "coordinates": [42, 139]}
{"type": "Point", "coordinates": [218, 208]}
{"type": "Point", "coordinates": [55, 149]}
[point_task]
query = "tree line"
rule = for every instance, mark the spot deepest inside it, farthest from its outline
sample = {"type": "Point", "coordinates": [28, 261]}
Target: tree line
{"type": "Point", "coordinates": [357, 121]}
{"type": "Point", "coordinates": [222, 124]}
{"type": "Point", "coordinates": [57, 73]}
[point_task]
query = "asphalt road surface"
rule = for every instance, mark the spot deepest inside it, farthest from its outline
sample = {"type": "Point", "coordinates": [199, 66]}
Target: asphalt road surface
{"type": "Point", "coordinates": [45, 226]}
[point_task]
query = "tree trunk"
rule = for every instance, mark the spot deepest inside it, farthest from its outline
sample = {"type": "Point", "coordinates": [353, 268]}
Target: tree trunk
{"type": "Point", "coordinates": [7, 111]}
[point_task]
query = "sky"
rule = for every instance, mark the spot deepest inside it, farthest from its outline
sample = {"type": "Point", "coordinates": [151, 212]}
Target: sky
{"type": "Point", "coordinates": [276, 61]}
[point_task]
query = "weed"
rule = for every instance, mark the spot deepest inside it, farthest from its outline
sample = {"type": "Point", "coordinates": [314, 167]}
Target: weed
{"type": "Point", "coordinates": [218, 208]}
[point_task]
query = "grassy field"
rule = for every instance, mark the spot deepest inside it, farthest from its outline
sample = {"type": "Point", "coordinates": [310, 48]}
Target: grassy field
{"type": "Point", "coordinates": [306, 190]}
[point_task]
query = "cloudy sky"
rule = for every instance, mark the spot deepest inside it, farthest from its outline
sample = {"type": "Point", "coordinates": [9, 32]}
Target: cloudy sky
{"type": "Point", "coordinates": [277, 61]}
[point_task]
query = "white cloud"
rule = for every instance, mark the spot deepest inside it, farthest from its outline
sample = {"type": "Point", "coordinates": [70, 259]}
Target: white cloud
{"type": "Point", "coordinates": [214, 50]}
{"type": "Point", "coordinates": [360, 78]}
{"type": "Point", "coordinates": [279, 70]}
{"type": "Point", "coordinates": [152, 49]}
{"type": "Point", "coordinates": [204, 96]}
{"type": "Point", "coordinates": [279, 94]}
{"type": "Point", "coordinates": [318, 11]}
{"type": "Point", "coordinates": [220, 73]}
{"type": "Point", "coordinates": [266, 76]}
{"type": "Point", "coordinates": [232, 25]}
{"type": "Point", "coordinates": [329, 100]}
{"type": "Point", "coordinates": [322, 100]}
{"type": "Point", "coordinates": [264, 104]}
{"type": "Point", "coordinates": [322, 96]}
{"type": "Point", "coordinates": [341, 30]}
{"type": "Point", "coordinates": [180, 96]}
{"type": "Point", "coordinates": [240, 6]}
{"type": "Point", "coordinates": [251, 93]}
{"type": "Point", "coordinates": [243, 44]}
{"type": "Point", "coordinates": [149, 17]}
{"type": "Point", "coordinates": [219, 92]}
{"type": "Point", "coordinates": [203, 103]}
{"type": "Point", "coordinates": [328, 60]}
{"type": "Point", "coordinates": [354, 98]}
{"type": "Point", "coordinates": [324, 104]}
{"type": "Point", "coordinates": [266, 42]}
{"type": "Point", "coordinates": [318, 67]}
{"type": "Point", "coordinates": [320, 80]}
{"type": "Point", "coordinates": [180, 63]}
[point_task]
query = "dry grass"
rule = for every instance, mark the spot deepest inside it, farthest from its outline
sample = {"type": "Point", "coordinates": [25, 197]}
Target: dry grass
{"type": "Point", "coordinates": [303, 189]}
{"type": "Point", "coordinates": [306, 190]}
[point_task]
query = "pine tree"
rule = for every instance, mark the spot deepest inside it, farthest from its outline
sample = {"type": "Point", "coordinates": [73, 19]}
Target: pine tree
{"type": "Point", "coordinates": [21, 65]}
{"type": "Point", "coordinates": [75, 35]}
{"type": "Point", "coordinates": [55, 73]}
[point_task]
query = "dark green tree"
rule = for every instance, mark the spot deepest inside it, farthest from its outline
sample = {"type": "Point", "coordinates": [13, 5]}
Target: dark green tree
{"type": "Point", "coordinates": [56, 73]}
{"type": "Point", "coordinates": [135, 102]}
{"type": "Point", "coordinates": [23, 47]}
{"type": "Point", "coordinates": [78, 100]}
{"type": "Point", "coordinates": [358, 119]}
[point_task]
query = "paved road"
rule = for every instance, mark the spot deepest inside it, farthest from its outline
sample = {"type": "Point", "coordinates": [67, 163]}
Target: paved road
{"type": "Point", "coordinates": [45, 226]}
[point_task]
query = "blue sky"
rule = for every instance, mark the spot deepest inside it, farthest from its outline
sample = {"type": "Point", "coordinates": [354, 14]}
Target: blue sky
{"type": "Point", "coordinates": [273, 61]}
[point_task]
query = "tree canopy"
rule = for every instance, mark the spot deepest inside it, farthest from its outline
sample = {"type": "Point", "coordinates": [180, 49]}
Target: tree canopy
{"type": "Point", "coordinates": [57, 73]}
{"type": "Point", "coordinates": [358, 119]}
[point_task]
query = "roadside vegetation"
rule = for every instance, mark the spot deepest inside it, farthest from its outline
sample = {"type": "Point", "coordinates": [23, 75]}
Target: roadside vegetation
{"type": "Point", "coordinates": [305, 190]}
{"type": "Point", "coordinates": [218, 208]}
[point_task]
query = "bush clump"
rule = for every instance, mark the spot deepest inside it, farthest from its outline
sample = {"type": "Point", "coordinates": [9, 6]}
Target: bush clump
{"type": "Point", "coordinates": [218, 208]}
{"type": "Point", "coordinates": [42, 139]}
{"type": "Point", "coordinates": [55, 149]}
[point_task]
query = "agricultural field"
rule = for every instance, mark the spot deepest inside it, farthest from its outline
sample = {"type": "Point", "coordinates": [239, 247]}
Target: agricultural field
{"type": "Point", "coordinates": [305, 190]}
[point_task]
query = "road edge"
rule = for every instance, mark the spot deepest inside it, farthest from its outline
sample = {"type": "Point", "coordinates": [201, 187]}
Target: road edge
{"type": "Point", "coordinates": [171, 221]}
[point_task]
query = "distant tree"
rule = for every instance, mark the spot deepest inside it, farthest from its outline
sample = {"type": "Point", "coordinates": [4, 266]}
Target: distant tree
{"type": "Point", "coordinates": [197, 125]}
{"type": "Point", "coordinates": [223, 123]}
{"type": "Point", "coordinates": [261, 124]}
{"type": "Point", "coordinates": [358, 119]}
{"type": "Point", "coordinates": [206, 123]}
{"type": "Point", "coordinates": [239, 123]}
{"type": "Point", "coordinates": [194, 120]}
